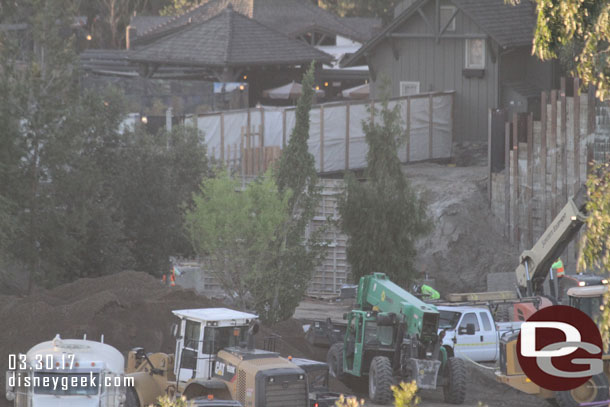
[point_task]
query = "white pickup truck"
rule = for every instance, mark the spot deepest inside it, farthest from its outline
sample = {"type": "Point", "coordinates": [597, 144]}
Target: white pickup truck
{"type": "Point", "coordinates": [471, 333]}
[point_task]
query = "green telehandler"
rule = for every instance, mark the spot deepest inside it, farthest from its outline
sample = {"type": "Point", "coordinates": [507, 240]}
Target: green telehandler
{"type": "Point", "coordinates": [391, 336]}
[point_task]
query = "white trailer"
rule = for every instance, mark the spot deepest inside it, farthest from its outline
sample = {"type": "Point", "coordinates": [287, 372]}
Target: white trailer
{"type": "Point", "coordinates": [66, 373]}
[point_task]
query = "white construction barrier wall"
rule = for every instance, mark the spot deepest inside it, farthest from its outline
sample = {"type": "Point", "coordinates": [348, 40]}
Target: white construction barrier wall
{"type": "Point", "coordinates": [336, 138]}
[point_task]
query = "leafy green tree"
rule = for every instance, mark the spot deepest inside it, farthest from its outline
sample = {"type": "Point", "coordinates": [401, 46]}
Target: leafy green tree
{"type": "Point", "coordinates": [157, 175]}
{"type": "Point", "coordinates": [177, 7]}
{"type": "Point", "coordinates": [383, 216]}
{"type": "Point", "coordinates": [579, 29]}
{"type": "Point", "coordinates": [49, 134]}
{"type": "Point", "coordinates": [383, 9]}
{"type": "Point", "coordinates": [595, 244]}
{"type": "Point", "coordinates": [232, 230]}
{"type": "Point", "coordinates": [284, 281]}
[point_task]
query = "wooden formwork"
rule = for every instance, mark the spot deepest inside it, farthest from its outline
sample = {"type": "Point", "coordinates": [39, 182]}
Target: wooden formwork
{"type": "Point", "coordinates": [333, 271]}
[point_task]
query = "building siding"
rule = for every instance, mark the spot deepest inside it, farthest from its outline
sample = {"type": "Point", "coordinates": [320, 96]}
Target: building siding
{"type": "Point", "coordinates": [438, 67]}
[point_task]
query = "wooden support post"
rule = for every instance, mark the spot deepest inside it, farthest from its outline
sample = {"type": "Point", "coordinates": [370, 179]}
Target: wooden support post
{"type": "Point", "coordinates": [576, 134]}
{"type": "Point", "coordinates": [242, 157]}
{"type": "Point", "coordinates": [553, 147]}
{"type": "Point", "coordinates": [321, 138]}
{"type": "Point", "coordinates": [543, 152]}
{"type": "Point", "coordinates": [591, 100]}
{"type": "Point", "coordinates": [261, 147]}
{"type": "Point", "coordinates": [222, 137]}
{"type": "Point", "coordinates": [234, 156]}
{"type": "Point", "coordinates": [564, 144]}
{"type": "Point", "coordinates": [262, 139]}
{"type": "Point", "coordinates": [408, 141]}
{"type": "Point", "coordinates": [430, 126]}
{"type": "Point", "coordinates": [489, 142]}
{"type": "Point", "coordinates": [250, 165]}
{"type": "Point", "coordinates": [530, 180]}
{"type": "Point", "coordinates": [372, 111]}
{"type": "Point", "coordinates": [591, 109]}
{"type": "Point", "coordinates": [347, 136]}
{"type": "Point", "coordinates": [283, 128]}
{"type": "Point", "coordinates": [515, 165]}
{"type": "Point", "coordinates": [507, 200]}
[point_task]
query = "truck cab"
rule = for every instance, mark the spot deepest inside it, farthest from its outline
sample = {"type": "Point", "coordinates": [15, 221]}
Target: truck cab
{"type": "Point", "coordinates": [67, 372]}
{"type": "Point", "coordinates": [471, 333]}
{"type": "Point", "coordinates": [201, 334]}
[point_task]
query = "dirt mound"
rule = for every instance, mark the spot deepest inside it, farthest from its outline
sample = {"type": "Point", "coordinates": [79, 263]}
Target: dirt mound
{"type": "Point", "coordinates": [466, 242]}
{"type": "Point", "coordinates": [130, 309]}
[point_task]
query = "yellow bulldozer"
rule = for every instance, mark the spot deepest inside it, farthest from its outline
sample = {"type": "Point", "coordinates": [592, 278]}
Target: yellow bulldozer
{"type": "Point", "coordinates": [215, 363]}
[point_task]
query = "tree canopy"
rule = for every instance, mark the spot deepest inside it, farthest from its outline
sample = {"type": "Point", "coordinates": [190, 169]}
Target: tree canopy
{"type": "Point", "coordinates": [382, 215]}
{"type": "Point", "coordinates": [578, 31]}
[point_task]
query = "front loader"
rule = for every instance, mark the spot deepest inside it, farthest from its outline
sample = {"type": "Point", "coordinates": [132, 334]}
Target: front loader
{"type": "Point", "coordinates": [393, 336]}
{"type": "Point", "coordinates": [215, 360]}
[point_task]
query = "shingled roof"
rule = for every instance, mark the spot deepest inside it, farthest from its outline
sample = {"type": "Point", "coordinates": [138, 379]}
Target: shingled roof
{"type": "Point", "coordinates": [508, 25]}
{"type": "Point", "coordinates": [288, 16]}
{"type": "Point", "coordinates": [228, 39]}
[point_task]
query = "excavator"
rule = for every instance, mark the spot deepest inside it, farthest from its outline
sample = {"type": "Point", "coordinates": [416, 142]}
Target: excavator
{"type": "Point", "coordinates": [392, 335]}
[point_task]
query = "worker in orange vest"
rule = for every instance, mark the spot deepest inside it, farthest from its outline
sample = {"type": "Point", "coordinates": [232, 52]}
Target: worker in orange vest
{"type": "Point", "coordinates": [172, 278]}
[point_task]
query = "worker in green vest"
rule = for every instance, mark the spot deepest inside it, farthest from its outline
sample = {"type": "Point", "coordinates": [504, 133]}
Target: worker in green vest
{"type": "Point", "coordinates": [426, 292]}
{"type": "Point", "coordinates": [558, 270]}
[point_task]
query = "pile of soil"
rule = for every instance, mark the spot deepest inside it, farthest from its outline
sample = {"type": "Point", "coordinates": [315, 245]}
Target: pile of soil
{"type": "Point", "coordinates": [130, 309]}
{"type": "Point", "coordinates": [466, 242]}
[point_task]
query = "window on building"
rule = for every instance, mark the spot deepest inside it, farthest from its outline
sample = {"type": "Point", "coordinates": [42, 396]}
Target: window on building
{"type": "Point", "coordinates": [408, 88]}
{"type": "Point", "coordinates": [446, 14]}
{"type": "Point", "coordinates": [475, 53]}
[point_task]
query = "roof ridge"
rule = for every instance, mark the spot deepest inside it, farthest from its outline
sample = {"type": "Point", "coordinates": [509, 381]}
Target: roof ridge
{"type": "Point", "coordinates": [283, 34]}
{"type": "Point", "coordinates": [172, 19]}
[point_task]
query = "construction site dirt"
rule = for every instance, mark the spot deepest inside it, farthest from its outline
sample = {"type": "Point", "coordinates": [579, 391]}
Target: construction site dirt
{"type": "Point", "coordinates": [134, 309]}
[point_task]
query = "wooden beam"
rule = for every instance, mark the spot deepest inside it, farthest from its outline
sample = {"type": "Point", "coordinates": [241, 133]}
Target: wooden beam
{"type": "Point", "coordinates": [222, 137]}
{"type": "Point", "coordinates": [408, 128]}
{"type": "Point", "coordinates": [430, 126]}
{"type": "Point", "coordinates": [489, 142]}
{"type": "Point", "coordinates": [507, 172]}
{"type": "Point", "coordinates": [553, 147]}
{"type": "Point", "coordinates": [347, 136]}
{"type": "Point", "coordinates": [576, 134]}
{"type": "Point", "coordinates": [515, 200]}
{"type": "Point", "coordinates": [564, 143]}
{"type": "Point", "coordinates": [530, 180]}
{"type": "Point", "coordinates": [543, 155]}
{"type": "Point", "coordinates": [284, 128]}
{"type": "Point", "coordinates": [448, 23]}
{"type": "Point", "coordinates": [321, 138]}
{"type": "Point", "coordinates": [423, 16]}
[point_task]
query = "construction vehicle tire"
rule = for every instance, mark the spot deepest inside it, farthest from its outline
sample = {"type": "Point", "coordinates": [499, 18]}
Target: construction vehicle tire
{"type": "Point", "coordinates": [334, 358]}
{"type": "Point", "coordinates": [380, 380]}
{"type": "Point", "coordinates": [454, 390]}
{"type": "Point", "coordinates": [131, 398]}
{"type": "Point", "coordinates": [595, 389]}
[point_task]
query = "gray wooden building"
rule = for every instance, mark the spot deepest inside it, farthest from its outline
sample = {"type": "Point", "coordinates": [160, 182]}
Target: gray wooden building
{"type": "Point", "coordinates": [479, 48]}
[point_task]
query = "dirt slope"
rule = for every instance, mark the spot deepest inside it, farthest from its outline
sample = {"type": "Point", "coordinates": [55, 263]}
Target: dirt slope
{"type": "Point", "coordinates": [466, 242]}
